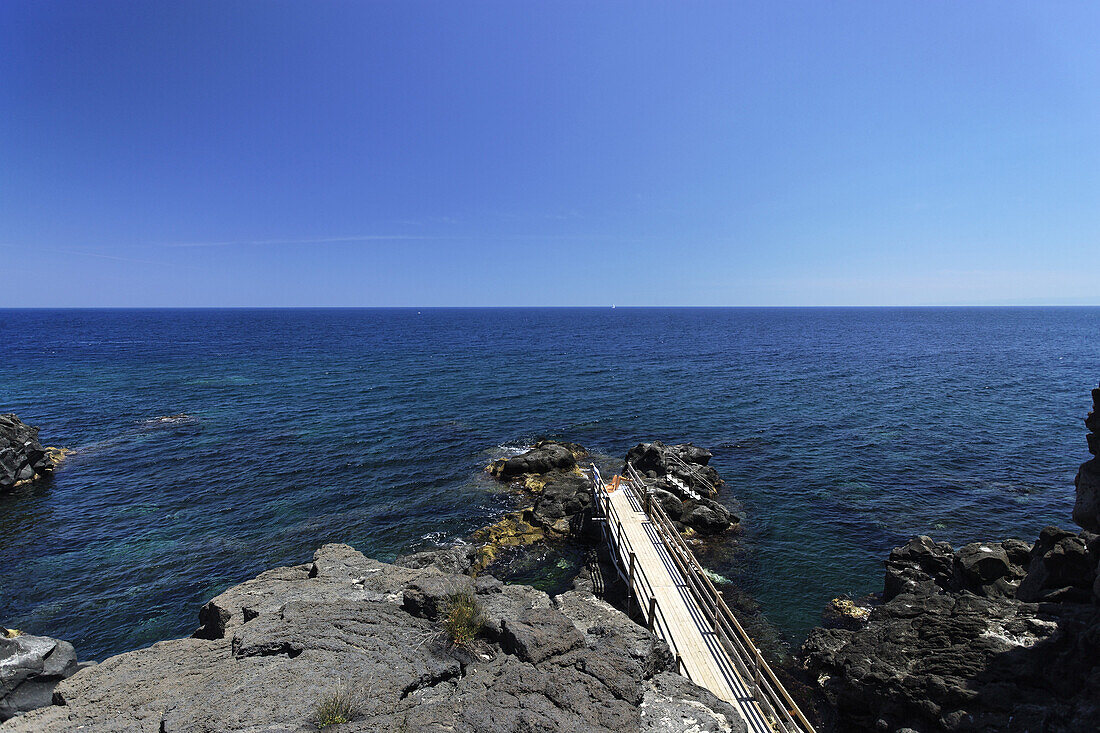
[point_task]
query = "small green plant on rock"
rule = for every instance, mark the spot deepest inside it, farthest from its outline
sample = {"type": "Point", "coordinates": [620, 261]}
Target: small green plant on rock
{"type": "Point", "coordinates": [463, 618]}
{"type": "Point", "coordinates": [339, 706]}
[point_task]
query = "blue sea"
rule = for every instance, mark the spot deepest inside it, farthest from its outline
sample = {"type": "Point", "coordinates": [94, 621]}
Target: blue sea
{"type": "Point", "coordinates": [840, 433]}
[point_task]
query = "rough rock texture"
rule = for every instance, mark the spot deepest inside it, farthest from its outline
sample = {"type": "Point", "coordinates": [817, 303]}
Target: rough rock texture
{"type": "Point", "coordinates": [678, 475]}
{"type": "Point", "coordinates": [684, 485]}
{"type": "Point", "coordinates": [1086, 512]}
{"type": "Point", "coordinates": [457, 559]}
{"type": "Point", "coordinates": [269, 650]}
{"type": "Point", "coordinates": [547, 455]}
{"type": "Point", "coordinates": [993, 637]}
{"type": "Point", "coordinates": [561, 496]}
{"type": "Point", "coordinates": [30, 668]}
{"type": "Point", "coordinates": [22, 457]}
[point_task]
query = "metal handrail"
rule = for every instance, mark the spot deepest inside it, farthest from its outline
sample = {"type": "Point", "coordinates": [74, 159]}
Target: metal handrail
{"type": "Point", "coordinates": [656, 621]}
{"type": "Point", "coordinates": [767, 688]}
{"type": "Point", "coordinates": [695, 471]}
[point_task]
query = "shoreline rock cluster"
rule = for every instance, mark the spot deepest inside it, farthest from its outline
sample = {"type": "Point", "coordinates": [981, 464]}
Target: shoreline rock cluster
{"type": "Point", "coordinates": [562, 502]}
{"type": "Point", "coordinates": [271, 651]}
{"type": "Point", "coordinates": [22, 458]}
{"type": "Point", "coordinates": [995, 636]}
{"type": "Point", "coordinates": [1086, 510]}
{"type": "Point", "coordinates": [685, 485]}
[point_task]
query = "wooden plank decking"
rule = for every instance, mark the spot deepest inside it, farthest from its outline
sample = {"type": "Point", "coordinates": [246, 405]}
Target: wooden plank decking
{"type": "Point", "coordinates": [704, 661]}
{"type": "Point", "coordinates": [681, 605]}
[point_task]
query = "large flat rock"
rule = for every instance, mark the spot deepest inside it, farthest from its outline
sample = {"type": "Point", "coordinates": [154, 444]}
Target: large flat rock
{"type": "Point", "coordinates": [271, 649]}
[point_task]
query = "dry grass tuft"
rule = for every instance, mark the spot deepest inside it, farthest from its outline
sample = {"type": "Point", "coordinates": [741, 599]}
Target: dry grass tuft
{"type": "Point", "coordinates": [463, 618]}
{"type": "Point", "coordinates": [339, 706]}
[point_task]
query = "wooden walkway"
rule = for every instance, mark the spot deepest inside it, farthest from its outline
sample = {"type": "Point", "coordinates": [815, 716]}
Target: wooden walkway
{"type": "Point", "coordinates": [680, 604]}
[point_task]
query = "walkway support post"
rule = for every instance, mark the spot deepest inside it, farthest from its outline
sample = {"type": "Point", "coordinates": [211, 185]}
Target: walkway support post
{"type": "Point", "coordinates": [756, 674]}
{"type": "Point", "coordinates": [652, 612]}
{"type": "Point", "coordinates": [629, 581]}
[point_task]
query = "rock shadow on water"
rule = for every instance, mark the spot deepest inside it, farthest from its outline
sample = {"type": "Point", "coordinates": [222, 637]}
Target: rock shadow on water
{"type": "Point", "coordinates": [551, 567]}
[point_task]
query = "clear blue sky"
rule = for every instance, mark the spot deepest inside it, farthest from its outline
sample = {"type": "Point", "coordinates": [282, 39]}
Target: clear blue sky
{"type": "Point", "coordinates": [550, 153]}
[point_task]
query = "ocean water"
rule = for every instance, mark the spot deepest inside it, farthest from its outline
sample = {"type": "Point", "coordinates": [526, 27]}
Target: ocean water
{"type": "Point", "coordinates": [840, 433]}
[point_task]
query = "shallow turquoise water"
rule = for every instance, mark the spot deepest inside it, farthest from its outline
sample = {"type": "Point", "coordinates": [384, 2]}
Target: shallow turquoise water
{"type": "Point", "coordinates": [841, 431]}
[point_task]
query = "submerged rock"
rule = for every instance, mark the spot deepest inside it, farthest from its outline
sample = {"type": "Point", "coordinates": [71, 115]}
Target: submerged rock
{"type": "Point", "coordinates": [22, 457]}
{"type": "Point", "coordinates": [271, 650]}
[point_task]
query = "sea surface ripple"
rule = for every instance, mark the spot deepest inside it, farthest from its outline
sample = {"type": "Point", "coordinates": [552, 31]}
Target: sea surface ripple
{"type": "Point", "coordinates": [842, 432]}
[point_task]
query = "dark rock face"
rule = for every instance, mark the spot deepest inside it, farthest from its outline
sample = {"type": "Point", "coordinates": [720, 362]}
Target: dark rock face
{"type": "Point", "coordinates": [30, 668]}
{"type": "Point", "coordinates": [1086, 511]}
{"type": "Point", "coordinates": [1062, 568]}
{"type": "Point", "coordinates": [564, 503]}
{"type": "Point", "coordinates": [269, 650]}
{"type": "Point", "coordinates": [456, 560]}
{"type": "Point", "coordinates": [680, 469]}
{"type": "Point", "coordinates": [561, 493]}
{"type": "Point", "coordinates": [683, 484]}
{"type": "Point", "coordinates": [960, 643]}
{"type": "Point", "coordinates": [22, 457]}
{"type": "Point", "coordinates": [547, 455]}
{"type": "Point", "coordinates": [987, 569]}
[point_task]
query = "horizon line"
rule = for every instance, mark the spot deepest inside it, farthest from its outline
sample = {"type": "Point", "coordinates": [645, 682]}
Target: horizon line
{"type": "Point", "coordinates": [545, 307]}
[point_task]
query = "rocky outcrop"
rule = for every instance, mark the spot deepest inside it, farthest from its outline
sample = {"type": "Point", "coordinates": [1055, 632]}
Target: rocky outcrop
{"type": "Point", "coordinates": [997, 636]}
{"type": "Point", "coordinates": [994, 636]}
{"type": "Point", "coordinates": [679, 469]}
{"type": "Point", "coordinates": [549, 474]}
{"type": "Point", "coordinates": [1086, 512]}
{"type": "Point", "coordinates": [30, 668]}
{"type": "Point", "coordinates": [560, 495]}
{"type": "Point", "coordinates": [22, 457]}
{"type": "Point", "coordinates": [270, 650]}
{"type": "Point", "coordinates": [545, 456]}
{"type": "Point", "coordinates": [684, 484]}
{"type": "Point", "coordinates": [457, 560]}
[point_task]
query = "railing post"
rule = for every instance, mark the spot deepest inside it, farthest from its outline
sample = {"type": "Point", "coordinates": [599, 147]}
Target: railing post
{"type": "Point", "coordinates": [629, 580]}
{"type": "Point", "coordinates": [652, 612]}
{"type": "Point", "coordinates": [755, 672]}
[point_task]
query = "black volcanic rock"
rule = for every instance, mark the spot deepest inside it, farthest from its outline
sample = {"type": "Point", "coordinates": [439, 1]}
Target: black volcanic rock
{"type": "Point", "coordinates": [30, 668]}
{"type": "Point", "coordinates": [1062, 567]}
{"type": "Point", "coordinates": [994, 637]}
{"type": "Point", "coordinates": [680, 469]}
{"type": "Point", "coordinates": [560, 492]}
{"type": "Point", "coordinates": [271, 649]}
{"type": "Point", "coordinates": [22, 457]}
{"type": "Point", "coordinates": [547, 455]}
{"type": "Point", "coordinates": [684, 484]}
{"type": "Point", "coordinates": [564, 502]}
{"type": "Point", "coordinates": [960, 643]}
{"type": "Point", "coordinates": [1086, 511]}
